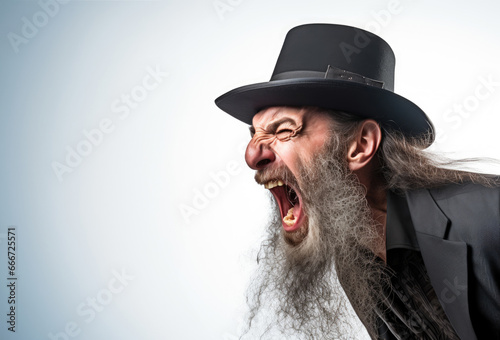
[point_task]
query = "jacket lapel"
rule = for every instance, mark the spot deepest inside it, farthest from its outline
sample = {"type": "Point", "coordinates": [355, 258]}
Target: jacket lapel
{"type": "Point", "coordinates": [445, 261]}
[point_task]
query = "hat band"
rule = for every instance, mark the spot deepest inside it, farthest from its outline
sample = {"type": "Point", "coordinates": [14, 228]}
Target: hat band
{"type": "Point", "coordinates": [331, 73]}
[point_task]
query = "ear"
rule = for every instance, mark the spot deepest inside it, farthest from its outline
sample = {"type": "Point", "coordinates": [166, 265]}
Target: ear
{"type": "Point", "coordinates": [365, 145]}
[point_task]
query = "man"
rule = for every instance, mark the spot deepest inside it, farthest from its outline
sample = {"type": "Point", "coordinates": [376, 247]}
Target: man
{"type": "Point", "coordinates": [361, 209]}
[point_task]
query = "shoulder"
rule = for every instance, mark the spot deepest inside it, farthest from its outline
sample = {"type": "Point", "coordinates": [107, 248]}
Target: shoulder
{"type": "Point", "coordinates": [468, 201]}
{"type": "Point", "coordinates": [464, 191]}
{"type": "Point", "coordinates": [468, 210]}
{"type": "Point", "coordinates": [457, 197]}
{"type": "Point", "coordinates": [473, 210]}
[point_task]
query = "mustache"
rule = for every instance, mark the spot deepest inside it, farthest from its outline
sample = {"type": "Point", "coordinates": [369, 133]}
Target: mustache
{"type": "Point", "coordinates": [282, 172]}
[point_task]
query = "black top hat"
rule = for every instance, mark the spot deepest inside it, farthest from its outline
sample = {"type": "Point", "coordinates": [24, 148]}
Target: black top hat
{"type": "Point", "coordinates": [335, 67]}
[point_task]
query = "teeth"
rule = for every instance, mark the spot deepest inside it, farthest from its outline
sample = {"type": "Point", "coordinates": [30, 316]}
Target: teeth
{"type": "Point", "coordinates": [272, 184]}
{"type": "Point", "coordinates": [289, 219]}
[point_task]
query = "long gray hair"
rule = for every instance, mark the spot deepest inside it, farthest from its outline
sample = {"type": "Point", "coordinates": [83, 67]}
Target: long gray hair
{"type": "Point", "coordinates": [404, 163]}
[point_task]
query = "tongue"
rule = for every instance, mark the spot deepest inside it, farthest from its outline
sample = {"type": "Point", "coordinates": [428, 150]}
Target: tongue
{"type": "Point", "coordinates": [289, 219]}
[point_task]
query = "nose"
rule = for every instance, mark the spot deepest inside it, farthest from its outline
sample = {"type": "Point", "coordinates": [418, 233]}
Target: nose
{"type": "Point", "coordinates": [258, 155]}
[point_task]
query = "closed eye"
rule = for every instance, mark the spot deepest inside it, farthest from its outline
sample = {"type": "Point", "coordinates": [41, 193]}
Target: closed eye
{"type": "Point", "coordinates": [284, 134]}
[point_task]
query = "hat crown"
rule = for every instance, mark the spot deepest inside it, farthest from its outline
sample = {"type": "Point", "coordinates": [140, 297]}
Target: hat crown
{"type": "Point", "coordinates": [334, 67]}
{"type": "Point", "coordinates": [314, 47]}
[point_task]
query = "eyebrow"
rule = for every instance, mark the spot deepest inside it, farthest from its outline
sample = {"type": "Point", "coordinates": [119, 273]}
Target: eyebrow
{"type": "Point", "coordinates": [274, 125]}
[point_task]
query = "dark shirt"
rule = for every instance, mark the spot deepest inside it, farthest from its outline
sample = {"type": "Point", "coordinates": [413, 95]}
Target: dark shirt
{"type": "Point", "coordinates": [412, 309]}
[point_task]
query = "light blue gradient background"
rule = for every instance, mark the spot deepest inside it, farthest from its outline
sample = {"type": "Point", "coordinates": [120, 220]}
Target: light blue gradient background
{"type": "Point", "coordinates": [119, 209]}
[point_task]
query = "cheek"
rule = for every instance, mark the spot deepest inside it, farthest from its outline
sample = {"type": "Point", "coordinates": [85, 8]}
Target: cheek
{"type": "Point", "coordinates": [294, 154]}
{"type": "Point", "coordinates": [307, 149]}
{"type": "Point", "coordinates": [288, 151]}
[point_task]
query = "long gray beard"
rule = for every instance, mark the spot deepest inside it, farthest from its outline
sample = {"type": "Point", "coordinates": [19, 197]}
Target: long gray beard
{"type": "Point", "coordinates": [297, 291]}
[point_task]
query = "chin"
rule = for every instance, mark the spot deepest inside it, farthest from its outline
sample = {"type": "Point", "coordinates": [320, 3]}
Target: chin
{"type": "Point", "coordinates": [298, 235]}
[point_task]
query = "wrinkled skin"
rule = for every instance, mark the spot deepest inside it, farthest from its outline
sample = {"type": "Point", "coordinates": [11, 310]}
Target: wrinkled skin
{"type": "Point", "coordinates": [296, 290]}
{"type": "Point", "coordinates": [284, 137]}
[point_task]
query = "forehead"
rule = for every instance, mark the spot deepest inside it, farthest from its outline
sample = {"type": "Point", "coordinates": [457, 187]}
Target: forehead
{"type": "Point", "coordinates": [313, 116]}
{"type": "Point", "coordinates": [271, 114]}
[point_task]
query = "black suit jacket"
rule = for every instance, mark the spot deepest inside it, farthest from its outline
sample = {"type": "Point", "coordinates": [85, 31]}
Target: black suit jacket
{"type": "Point", "coordinates": [458, 231]}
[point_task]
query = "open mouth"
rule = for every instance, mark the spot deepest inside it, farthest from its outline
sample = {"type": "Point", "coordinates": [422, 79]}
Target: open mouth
{"type": "Point", "coordinates": [290, 203]}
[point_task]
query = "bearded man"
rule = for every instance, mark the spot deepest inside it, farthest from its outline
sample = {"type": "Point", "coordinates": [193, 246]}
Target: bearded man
{"type": "Point", "coordinates": [360, 209]}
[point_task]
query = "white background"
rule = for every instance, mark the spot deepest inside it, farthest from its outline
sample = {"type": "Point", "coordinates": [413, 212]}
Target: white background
{"type": "Point", "coordinates": [119, 209]}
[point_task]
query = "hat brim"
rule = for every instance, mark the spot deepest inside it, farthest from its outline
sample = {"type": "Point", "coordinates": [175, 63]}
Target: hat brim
{"type": "Point", "coordinates": [386, 107]}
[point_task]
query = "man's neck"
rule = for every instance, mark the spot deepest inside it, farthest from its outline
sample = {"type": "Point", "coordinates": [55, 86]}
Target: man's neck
{"type": "Point", "coordinates": [376, 195]}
